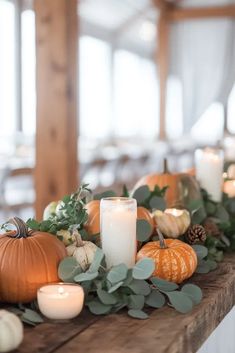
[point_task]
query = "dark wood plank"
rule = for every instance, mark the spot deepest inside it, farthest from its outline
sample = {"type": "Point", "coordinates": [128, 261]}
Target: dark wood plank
{"type": "Point", "coordinates": [166, 331]}
{"type": "Point", "coordinates": [56, 134]}
{"type": "Point", "coordinates": [51, 335]}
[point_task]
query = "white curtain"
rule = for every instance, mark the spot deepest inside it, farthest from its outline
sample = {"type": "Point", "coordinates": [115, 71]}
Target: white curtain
{"type": "Point", "coordinates": [202, 55]}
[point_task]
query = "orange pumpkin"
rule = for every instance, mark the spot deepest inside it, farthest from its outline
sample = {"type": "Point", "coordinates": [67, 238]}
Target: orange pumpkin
{"type": "Point", "coordinates": [92, 225]}
{"type": "Point", "coordinates": [182, 187]}
{"type": "Point", "coordinates": [28, 260]}
{"type": "Point", "coordinates": [174, 260]}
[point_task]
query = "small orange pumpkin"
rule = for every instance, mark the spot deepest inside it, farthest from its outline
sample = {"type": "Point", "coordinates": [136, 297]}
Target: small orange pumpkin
{"type": "Point", "coordinates": [174, 260]}
{"type": "Point", "coordinates": [28, 260]}
{"type": "Point", "coordinates": [182, 187]}
{"type": "Point", "coordinates": [92, 225]}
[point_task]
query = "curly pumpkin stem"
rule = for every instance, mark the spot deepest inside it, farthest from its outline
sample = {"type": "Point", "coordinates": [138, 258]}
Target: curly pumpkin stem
{"type": "Point", "coordinates": [78, 238]}
{"type": "Point", "coordinates": [21, 228]}
{"type": "Point", "coordinates": [161, 240]}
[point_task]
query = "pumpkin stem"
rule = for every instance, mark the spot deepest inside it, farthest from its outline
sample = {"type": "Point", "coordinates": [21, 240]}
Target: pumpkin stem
{"type": "Point", "coordinates": [78, 238]}
{"type": "Point", "coordinates": [165, 166]}
{"type": "Point", "coordinates": [161, 240]}
{"type": "Point", "coordinates": [21, 228]}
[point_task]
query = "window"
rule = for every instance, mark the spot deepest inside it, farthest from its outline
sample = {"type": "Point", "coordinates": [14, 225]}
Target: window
{"type": "Point", "coordinates": [28, 59]}
{"type": "Point", "coordinates": [17, 70]}
{"type": "Point", "coordinates": [7, 68]}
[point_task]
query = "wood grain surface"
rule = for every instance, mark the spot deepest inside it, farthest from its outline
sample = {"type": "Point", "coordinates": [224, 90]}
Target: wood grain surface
{"type": "Point", "coordinates": [166, 331]}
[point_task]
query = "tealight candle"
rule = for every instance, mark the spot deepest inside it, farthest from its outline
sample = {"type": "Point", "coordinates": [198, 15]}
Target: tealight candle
{"type": "Point", "coordinates": [229, 188]}
{"type": "Point", "coordinates": [60, 301]}
{"type": "Point", "coordinates": [118, 230]}
{"type": "Point", "coordinates": [209, 171]}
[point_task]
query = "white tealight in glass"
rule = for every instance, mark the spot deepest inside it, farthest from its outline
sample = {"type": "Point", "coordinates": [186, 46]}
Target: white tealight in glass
{"type": "Point", "coordinates": [209, 171]}
{"type": "Point", "coordinates": [118, 230]}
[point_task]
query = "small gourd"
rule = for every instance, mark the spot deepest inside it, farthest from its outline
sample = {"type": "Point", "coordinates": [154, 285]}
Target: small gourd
{"type": "Point", "coordinates": [83, 251]}
{"type": "Point", "coordinates": [11, 331]}
{"type": "Point", "coordinates": [172, 222]}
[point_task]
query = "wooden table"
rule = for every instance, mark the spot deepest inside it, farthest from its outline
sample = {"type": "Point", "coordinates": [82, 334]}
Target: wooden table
{"type": "Point", "coordinates": [166, 331]}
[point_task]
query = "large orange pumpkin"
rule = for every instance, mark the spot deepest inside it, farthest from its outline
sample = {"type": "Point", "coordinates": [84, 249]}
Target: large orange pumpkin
{"type": "Point", "coordinates": [28, 260]}
{"type": "Point", "coordinates": [92, 225]}
{"type": "Point", "coordinates": [174, 260]}
{"type": "Point", "coordinates": [182, 187]}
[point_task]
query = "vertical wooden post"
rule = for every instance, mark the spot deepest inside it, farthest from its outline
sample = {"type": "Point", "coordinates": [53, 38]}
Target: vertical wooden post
{"type": "Point", "coordinates": [162, 64]}
{"type": "Point", "coordinates": [56, 134]}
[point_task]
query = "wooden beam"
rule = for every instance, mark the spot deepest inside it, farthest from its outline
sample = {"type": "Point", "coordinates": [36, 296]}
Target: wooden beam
{"type": "Point", "coordinates": [56, 134]}
{"type": "Point", "coordinates": [190, 13]}
{"type": "Point", "coordinates": [162, 65]}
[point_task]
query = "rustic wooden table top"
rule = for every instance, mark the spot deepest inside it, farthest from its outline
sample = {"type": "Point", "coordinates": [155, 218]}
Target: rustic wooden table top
{"type": "Point", "coordinates": [166, 331]}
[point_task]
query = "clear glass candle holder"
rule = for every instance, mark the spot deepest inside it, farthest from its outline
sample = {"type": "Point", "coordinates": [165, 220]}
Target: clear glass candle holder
{"type": "Point", "coordinates": [118, 217]}
{"type": "Point", "coordinates": [209, 163]}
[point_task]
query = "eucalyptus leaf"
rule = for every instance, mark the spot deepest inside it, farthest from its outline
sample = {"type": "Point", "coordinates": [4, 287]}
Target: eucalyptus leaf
{"type": "Point", "coordinates": [158, 203]}
{"type": "Point", "coordinates": [108, 193]}
{"type": "Point", "coordinates": [98, 308]}
{"type": "Point", "coordinates": [68, 269]}
{"type": "Point", "coordinates": [106, 298]}
{"type": "Point", "coordinates": [222, 213]}
{"type": "Point", "coordinates": [155, 299]}
{"type": "Point", "coordinates": [143, 230]}
{"type": "Point", "coordinates": [129, 278]}
{"type": "Point", "coordinates": [117, 273]}
{"type": "Point", "coordinates": [143, 268]}
{"type": "Point", "coordinates": [212, 264]}
{"type": "Point", "coordinates": [138, 314]}
{"type": "Point", "coordinates": [115, 287]}
{"type": "Point", "coordinates": [32, 316]}
{"type": "Point", "coordinates": [180, 301]}
{"type": "Point", "coordinates": [136, 301]}
{"type": "Point", "coordinates": [201, 251]}
{"type": "Point", "coordinates": [203, 267]}
{"type": "Point", "coordinates": [86, 276]}
{"type": "Point", "coordinates": [198, 215]}
{"type": "Point", "coordinates": [194, 205]}
{"type": "Point", "coordinates": [164, 285]}
{"type": "Point", "coordinates": [193, 291]}
{"type": "Point", "coordinates": [141, 194]}
{"type": "Point", "coordinates": [98, 257]}
{"type": "Point", "coordinates": [140, 287]}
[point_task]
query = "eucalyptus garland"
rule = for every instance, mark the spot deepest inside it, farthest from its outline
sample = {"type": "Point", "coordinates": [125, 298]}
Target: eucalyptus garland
{"type": "Point", "coordinates": [110, 290]}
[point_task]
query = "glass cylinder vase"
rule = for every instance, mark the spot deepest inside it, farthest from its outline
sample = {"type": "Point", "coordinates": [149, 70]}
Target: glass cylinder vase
{"type": "Point", "coordinates": [118, 217]}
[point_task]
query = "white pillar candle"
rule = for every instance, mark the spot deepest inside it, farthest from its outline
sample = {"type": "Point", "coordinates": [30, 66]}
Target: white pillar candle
{"type": "Point", "coordinates": [118, 230]}
{"type": "Point", "coordinates": [209, 171]}
{"type": "Point", "coordinates": [60, 301]}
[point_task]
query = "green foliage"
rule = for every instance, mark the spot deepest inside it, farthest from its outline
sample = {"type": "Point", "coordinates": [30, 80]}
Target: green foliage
{"type": "Point", "coordinates": [72, 214]}
{"type": "Point", "coordinates": [150, 199]}
{"type": "Point", "coordinates": [110, 290]}
{"type": "Point", "coordinates": [143, 230]}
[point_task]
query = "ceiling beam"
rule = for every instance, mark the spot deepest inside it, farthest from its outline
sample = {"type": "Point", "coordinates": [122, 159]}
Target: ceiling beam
{"type": "Point", "coordinates": [180, 14]}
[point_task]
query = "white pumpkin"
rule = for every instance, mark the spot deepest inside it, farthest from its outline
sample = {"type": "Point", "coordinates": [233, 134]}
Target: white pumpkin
{"type": "Point", "coordinates": [83, 251]}
{"type": "Point", "coordinates": [50, 210]}
{"type": "Point", "coordinates": [172, 222]}
{"type": "Point", "coordinates": [11, 331]}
